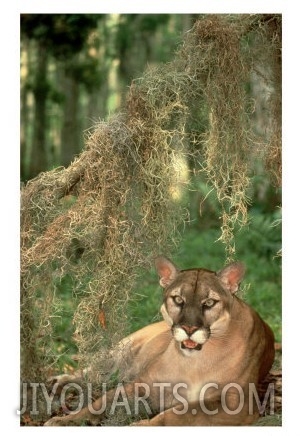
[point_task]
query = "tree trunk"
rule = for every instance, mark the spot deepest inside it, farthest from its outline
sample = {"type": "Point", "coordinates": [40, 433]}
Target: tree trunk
{"type": "Point", "coordinates": [70, 139]}
{"type": "Point", "coordinates": [24, 110]}
{"type": "Point", "coordinates": [38, 161]}
{"type": "Point", "coordinates": [23, 135]}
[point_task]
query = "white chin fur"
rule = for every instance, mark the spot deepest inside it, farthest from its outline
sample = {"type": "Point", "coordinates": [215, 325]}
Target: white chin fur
{"type": "Point", "coordinates": [189, 352]}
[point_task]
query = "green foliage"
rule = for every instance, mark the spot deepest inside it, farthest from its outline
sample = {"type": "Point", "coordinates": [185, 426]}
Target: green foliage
{"type": "Point", "coordinates": [262, 235]}
{"type": "Point", "coordinates": [135, 26]}
{"type": "Point", "coordinates": [59, 32]}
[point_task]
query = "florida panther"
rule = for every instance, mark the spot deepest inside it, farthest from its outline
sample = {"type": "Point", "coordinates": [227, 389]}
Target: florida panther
{"type": "Point", "coordinates": [207, 353]}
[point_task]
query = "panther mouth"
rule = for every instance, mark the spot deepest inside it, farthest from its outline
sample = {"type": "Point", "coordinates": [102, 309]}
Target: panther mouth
{"type": "Point", "coordinates": [191, 345]}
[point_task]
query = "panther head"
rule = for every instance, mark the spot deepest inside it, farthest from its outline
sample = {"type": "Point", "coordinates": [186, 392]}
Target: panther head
{"type": "Point", "coordinates": [197, 302]}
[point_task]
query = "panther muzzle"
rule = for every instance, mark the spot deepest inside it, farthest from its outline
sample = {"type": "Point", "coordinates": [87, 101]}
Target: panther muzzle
{"type": "Point", "coordinates": [190, 337]}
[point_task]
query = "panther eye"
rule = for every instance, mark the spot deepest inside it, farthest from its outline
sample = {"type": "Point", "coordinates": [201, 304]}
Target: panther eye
{"type": "Point", "coordinates": [210, 302]}
{"type": "Point", "coordinates": [178, 300]}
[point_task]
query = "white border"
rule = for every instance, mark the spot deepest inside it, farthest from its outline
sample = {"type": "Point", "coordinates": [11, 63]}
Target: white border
{"type": "Point", "coordinates": [153, 6]}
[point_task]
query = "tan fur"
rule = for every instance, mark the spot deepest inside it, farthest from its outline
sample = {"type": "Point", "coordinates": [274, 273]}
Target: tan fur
{"type": "Point", "coordinates": [220, 340]}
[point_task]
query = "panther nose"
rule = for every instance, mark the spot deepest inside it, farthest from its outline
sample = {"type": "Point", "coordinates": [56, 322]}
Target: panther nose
{"type": "Point", "coordinates": [189, 329]}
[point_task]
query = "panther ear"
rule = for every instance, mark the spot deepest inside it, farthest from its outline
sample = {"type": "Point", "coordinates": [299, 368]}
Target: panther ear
{"type": "Point", "coordinates": [166, 270]}
{"type": "Point", "coordinates": [232, 275]}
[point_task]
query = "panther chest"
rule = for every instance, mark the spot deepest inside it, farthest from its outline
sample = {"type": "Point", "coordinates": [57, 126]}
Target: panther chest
{"type": "Point", "coordinates": [174, 374]}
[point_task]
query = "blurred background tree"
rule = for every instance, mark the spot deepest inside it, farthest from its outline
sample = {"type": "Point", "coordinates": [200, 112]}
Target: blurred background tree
{"type": "Point", "coordinates": [75, 70]}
